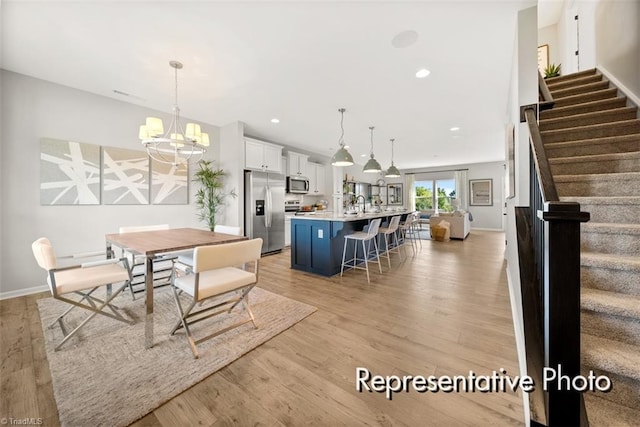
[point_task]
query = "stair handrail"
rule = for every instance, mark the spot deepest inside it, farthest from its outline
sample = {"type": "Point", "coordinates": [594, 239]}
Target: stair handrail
{"type": "Point", "coordinates": [547, 102]}
{"type": "Point", "coordinates": [550, 280]}
{"type": "Point", "coordinates": [546, 181]}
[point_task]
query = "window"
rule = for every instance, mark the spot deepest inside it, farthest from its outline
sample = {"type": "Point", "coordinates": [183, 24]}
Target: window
{"type": "Point", "coordinates": [446, 193]}
{"type": "Point", "coordinates": [424, 195]}
{"type": "Point", "coordinates": [426, 198]}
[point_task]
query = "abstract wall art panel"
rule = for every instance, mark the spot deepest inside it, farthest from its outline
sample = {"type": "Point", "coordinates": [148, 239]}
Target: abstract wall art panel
{"type": "Point", "coordinates": [169, 184]}
{"type": "Point", "coordinates": [125, 177]}
{"type": "Point", "coordinates": [69, 173]}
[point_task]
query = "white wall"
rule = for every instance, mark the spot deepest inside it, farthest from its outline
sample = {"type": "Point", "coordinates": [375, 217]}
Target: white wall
{"type": "Point", "coordinates": [523, 91]}
{"type": "Point", "coordinates": [484, 217]}
{"type": "Point", "coordinates": [232, 161]}
{"type": "Point", "coordinates": [617, 38]}
{"type": "Point", "coordinates": [549, 35]}
{"type": "Point", "coordinates": [33, 109]}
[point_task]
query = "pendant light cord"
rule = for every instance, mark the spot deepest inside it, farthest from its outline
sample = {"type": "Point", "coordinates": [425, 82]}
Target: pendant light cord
{"type": "Point", "coordinates": [371, 153]}
{"type": "Point", "coordinates": [392, 139]}
{"type": "Point", "coordinates": [341, 140]}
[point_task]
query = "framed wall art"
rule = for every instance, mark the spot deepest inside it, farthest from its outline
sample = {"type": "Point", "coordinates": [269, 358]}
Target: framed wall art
{"type": "Point", "coordinates": [125, 176]}
{"type": "Point", "coordinates": [543, 57]}
{"type": "Point", "coordinates": [169, 184]}
{"type": "Point", "coordinates": [69, 173]}
{"type": "Point", "coordinates": [481, 192]}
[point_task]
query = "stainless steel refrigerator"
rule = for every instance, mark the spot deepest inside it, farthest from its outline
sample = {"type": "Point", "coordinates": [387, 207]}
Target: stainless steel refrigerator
{"type": "Point", "coordinates": [264, 208]}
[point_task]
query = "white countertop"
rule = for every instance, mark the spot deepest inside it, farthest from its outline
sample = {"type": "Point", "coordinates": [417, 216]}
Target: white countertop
{"type": "Point", "coordinates": [330, 216]}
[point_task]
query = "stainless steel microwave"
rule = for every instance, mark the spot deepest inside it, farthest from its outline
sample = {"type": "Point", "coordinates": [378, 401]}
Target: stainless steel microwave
{"type": "Point", "coordinates": [297, 184]}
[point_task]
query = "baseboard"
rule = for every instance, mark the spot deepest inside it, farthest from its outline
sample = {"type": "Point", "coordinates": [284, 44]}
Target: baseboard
{"type": "Point", "coordinates": [486, 229]}
{"type": "Point", "coordinates": [617, 83]}
{"type": "Point", "coordinates": [23, 292]}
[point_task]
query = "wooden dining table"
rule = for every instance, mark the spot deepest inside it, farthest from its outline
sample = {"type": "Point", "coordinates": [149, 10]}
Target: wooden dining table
{"type": "Point", "coordinates": [150, 244]}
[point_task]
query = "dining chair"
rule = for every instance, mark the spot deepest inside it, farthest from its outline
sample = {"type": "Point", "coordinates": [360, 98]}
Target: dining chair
{"type": "Point", "coordinates": [82, 280]}
{"type": "Point", "coordinates": [162, 265]}
{"type": "Point", "coordinates": [185, 258]}
{"type": "Point", "coordinates": [218, 270]}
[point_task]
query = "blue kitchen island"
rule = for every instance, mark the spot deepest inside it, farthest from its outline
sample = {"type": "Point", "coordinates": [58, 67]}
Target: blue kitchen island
{"type": "Point", "coordinates": [317, 239]}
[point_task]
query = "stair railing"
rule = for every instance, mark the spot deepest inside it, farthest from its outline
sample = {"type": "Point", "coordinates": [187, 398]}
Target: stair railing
{"type": "Point", "coordinates": [549, 250]}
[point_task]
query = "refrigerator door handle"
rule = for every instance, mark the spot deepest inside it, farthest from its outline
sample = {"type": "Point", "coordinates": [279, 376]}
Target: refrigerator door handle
{"type": "Point", "coordinates": [268, 203]}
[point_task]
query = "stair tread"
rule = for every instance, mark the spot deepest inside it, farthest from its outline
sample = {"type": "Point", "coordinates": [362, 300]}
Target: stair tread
{"type": "Point", "coordinates": [588, 127]}
{"type": "Point", "coordinates": [569, 77]}
{"type": "Point", "coordinates": [582, 105]}
{"type": "Point", "coordinates": [604, 140]}
{"type": "Point", "coordinates": [589, 115]}
{"type": "Point", "coordinates": [603, 200]}
{"type": "Point", "coordinates": [596, 157]}
{"type": "Point", "coordinates": [611, 356]}
{"type": "Point", "coordinates": [610, 228]}
{"type": "Point", "coordinates": [574, 79]}
{"type": "Point", "coordinates": [603, 412]}
{"type": "Point", "coordinates": [614, 303]}
{"type": "Point", "coordinates": [616, 176]}
{"type": "Point", "coordinates": [557, 93]}
{"type": "Point", "coordinates": [612, 261]}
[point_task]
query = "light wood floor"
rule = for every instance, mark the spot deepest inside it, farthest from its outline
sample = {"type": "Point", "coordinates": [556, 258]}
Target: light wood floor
{"type": "Point", "coordinates": [444, 312]}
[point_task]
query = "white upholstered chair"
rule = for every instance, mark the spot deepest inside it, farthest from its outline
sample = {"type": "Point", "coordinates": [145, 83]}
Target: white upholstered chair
{"type": "Point", "coordinates": [219, 270]}
{"type": "Point", "coordinates": [185, 258]}
{"type": "Point", "coordinates": [162, 265]}
{"type": "Point", "coordinates": [82, 280]}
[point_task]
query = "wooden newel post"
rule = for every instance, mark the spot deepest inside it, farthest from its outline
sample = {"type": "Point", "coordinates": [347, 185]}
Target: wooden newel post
{"type": "Point", "coordinates": [562, 309]}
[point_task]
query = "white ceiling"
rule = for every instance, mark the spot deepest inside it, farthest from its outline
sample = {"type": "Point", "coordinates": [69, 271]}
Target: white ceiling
{"type": "Point", "coordinates": [297, 61]}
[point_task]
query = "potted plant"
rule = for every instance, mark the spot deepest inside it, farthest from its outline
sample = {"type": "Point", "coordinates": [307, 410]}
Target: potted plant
{"type": "Point", "coordinates": [210, 196]}
{"type": "Point", "coordinates": [552, 70]}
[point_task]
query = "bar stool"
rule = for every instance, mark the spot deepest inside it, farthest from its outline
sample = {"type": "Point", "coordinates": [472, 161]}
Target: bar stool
{"type": "Point", "coordinates": [391, 241]}
{"type": "Point", "coordinates": [365, 238]}
{"type": "Point", "coordinates": [408, 231]}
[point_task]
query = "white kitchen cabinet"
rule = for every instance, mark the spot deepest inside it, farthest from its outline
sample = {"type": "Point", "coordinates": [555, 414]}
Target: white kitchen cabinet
{"type": "Point", "coordinates": [263, 156]}
{"type": "Point", "coordinates": [317, 174]}
{"type": "Point", "coordinates": [297, 164]}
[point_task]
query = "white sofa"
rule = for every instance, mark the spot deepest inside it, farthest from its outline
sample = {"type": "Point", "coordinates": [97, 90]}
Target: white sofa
{"type": "Point", "coordinates": [460, 225]}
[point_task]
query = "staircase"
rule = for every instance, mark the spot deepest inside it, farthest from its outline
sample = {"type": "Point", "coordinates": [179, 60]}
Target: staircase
{"type": "Point", "coordinates": [592, 140]}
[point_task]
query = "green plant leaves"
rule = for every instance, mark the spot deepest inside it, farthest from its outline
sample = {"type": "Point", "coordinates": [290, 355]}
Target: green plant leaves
{"type": "Point", "coordinates": [210, 197]}
{"type": "Point", "coordinates": [552, 70]}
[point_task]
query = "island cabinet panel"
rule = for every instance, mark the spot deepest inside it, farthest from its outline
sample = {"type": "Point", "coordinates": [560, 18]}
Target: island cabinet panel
{"type": "Point", "coordinates": [310, 246]}
{"type": "Point", "coordinates": [316, 246]}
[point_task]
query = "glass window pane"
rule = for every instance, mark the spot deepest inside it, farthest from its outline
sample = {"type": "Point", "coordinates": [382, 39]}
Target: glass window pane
{"type": "Point", "coordinates": [446, 194]}
{"type": "Point", "coordinates": [424, 195]}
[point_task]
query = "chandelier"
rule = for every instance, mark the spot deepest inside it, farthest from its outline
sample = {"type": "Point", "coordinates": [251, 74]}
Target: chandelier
{"type": "Point", "coordinates": [177, 145]}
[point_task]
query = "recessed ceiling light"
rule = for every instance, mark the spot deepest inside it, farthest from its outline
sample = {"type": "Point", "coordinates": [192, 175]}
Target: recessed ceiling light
{"type": "Point", "coordinates": [421, 74]}
{"type": "Point", "coordinates": [363, 155]}
{"type": "Point", "coordinates": [404, 39]}
{"type": "Point", "coordinates": [454, 129]}
{"type": "Point", "coordinates": [274, 120]}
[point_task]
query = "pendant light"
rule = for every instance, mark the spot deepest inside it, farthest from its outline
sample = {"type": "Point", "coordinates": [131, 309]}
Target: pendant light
{"type": "Point", "coordinates": [372, 165]}
{"type": "Point", "coordinates": [393, 171]}
{"type": "Point", "coordinates": [342, 156]}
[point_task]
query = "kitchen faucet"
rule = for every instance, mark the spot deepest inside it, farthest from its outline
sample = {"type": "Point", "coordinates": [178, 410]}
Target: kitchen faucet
{"type": "Point", "coordinates": [364, 202]}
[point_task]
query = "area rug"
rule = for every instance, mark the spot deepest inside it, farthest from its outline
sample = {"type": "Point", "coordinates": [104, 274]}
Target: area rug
{"type": "Point", "coordinates": [105, 377]}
